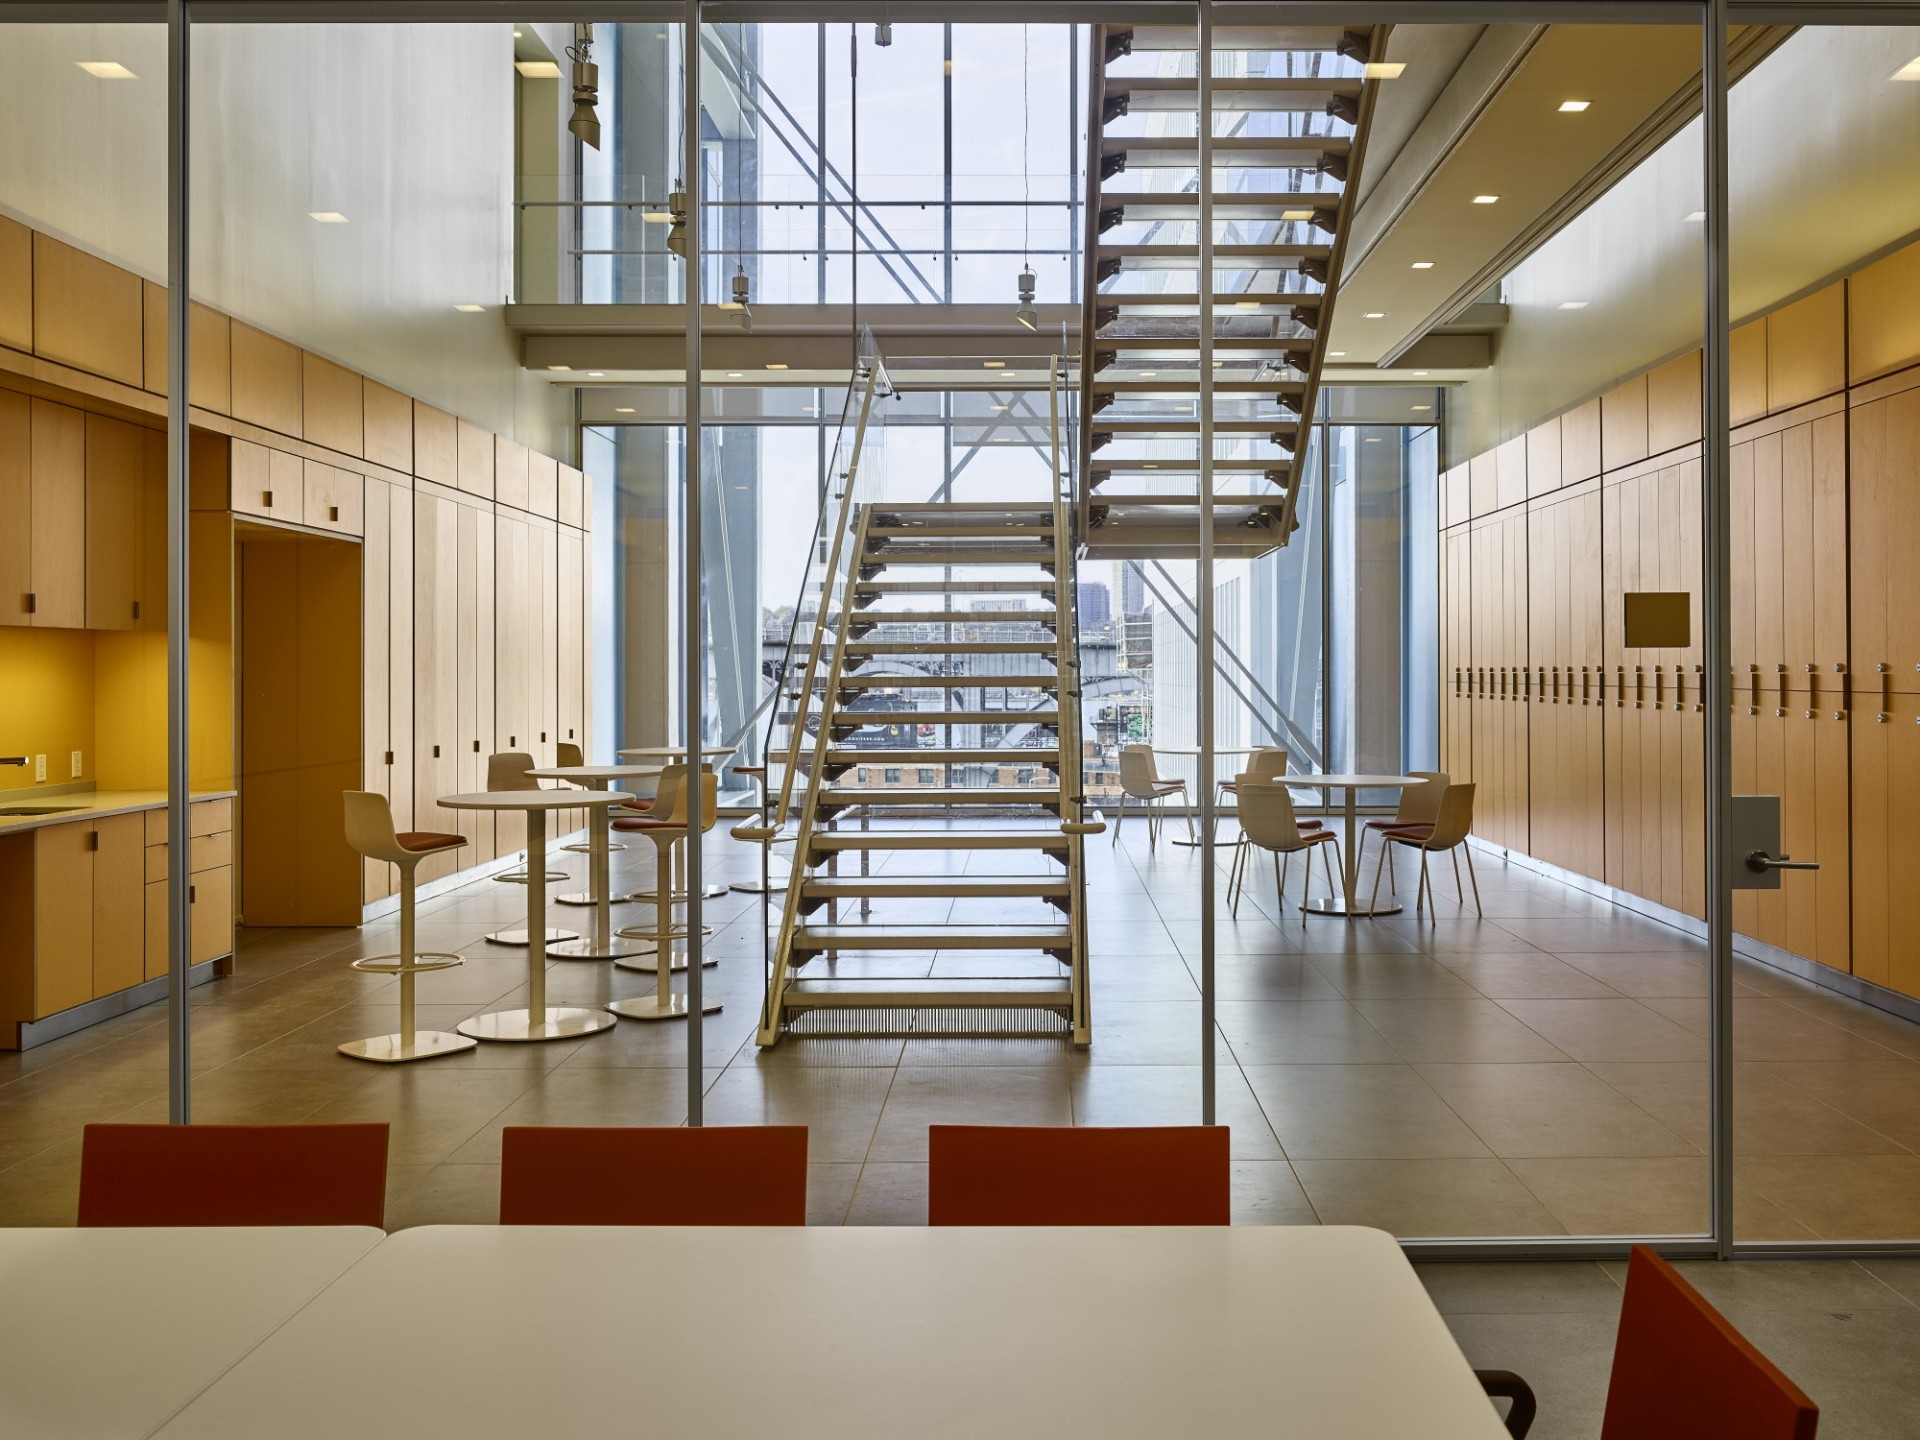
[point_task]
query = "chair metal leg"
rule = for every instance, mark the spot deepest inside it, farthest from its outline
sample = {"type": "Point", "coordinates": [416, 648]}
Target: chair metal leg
{"type": "Point", "coordinates": [1425, 894]}
{"type": "Point", "coordinates": [1190, 835]}
{"type": "Point", "coordinates": [1475, 879]}
{"type": "Point", "coordinates": [1327, 852]}
{"type": "Point", "coordinates": [1458, 894]}
{"type": "Point", "coordinates": [1386, 848]}
{"type": "Point", "coordinates": [1119, 818]}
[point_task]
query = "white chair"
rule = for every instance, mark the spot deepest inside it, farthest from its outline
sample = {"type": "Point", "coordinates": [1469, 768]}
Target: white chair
{"type": "Point", "coordinates": [1139, 780]}
{"type": "Point", "coordinates": [1448, 832]}
{"type": "Point", "coordinates": [1267, 762]}
{"type": "Point", "coordinates": [666, 827]}
{"type": "Point", "coordinates": [1267, 821]}
{"type": "Point", "coordinates": [1418, 806]}
{"type": "Point", "coordinates": [369, 827]}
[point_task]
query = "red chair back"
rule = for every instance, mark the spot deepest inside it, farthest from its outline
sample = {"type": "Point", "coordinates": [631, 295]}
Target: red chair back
{"type": "Point", "coordinates": [1078, 1175]}
{"type": "Point", "coordinates": [1681, 1372]}
{"type": "Point", "coordinates": [723, 1175]}
{"type": "Point", "coordinates": [233, 1175]}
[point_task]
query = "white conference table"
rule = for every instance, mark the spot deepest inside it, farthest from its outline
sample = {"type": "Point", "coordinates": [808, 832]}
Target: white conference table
{"type": "Point", "coordinates": [106, 1333]}
{"type": "Point", "coordinates": [604, 945]}
{"type": "Point", "coordinates": [1285, 1333]}
{"type": "Point", "coordinates": [539, 1021]}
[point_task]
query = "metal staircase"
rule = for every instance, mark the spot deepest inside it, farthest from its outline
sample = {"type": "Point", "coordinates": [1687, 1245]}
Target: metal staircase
{"type": "Point", "coordinates": [950, 903]}
{"type": "Point", "coordinates": [1215, 331]}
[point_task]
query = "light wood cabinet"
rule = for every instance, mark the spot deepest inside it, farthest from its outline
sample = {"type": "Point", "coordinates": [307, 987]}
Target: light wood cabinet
{"type": "Point", "coordinates": [436, 672]}
{"type": "Point", "coordinates": [436, 445]}
{"type": "Point", "coordinates": [59, 517]}
{"type": "Point", "coordinates": [116, 501]}
{"type": "Point", "coordinates": [209, 337]}
{"type": "Point", "coordinates": [16, 285]}
{"type": "Point", "coordinates": [119, 909]}
{"type": "Point", "coordinates": [331, 405]}
{"type": "Point", "coordinates": [376, 693]}
{"type": "Point", "coordinates": [514, 618]}
{"type": "Point", "coordinates": [543, 486]}
{"type": "Point", "coordinates": [387, 426]}
{"type": "Point", "coordinates": [475, 459]}
{"type": "Point", "coordinates": [210, 884]}
{"type": "Point", "coordinates": [63, 918]}
{"type": "Point", "coordinates": [87, 313]}
{"type": "Point", "coordinates": [268, 483]}
{"type": "Point", "coordinates": [510, 472]}
{"type": "Point", "coordinates": [571, 506]}
{"type": "Point", "coordinates": [266, 380]}
{"type": "Point", "coordinates": [16, 502]}
{"type": "Point", "coordinates": [332, 498]}
{"type": "Point", "coordinates": [475, 669]}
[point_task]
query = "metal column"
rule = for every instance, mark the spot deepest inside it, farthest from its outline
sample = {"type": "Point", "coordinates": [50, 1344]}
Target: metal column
{"type": "Point", "coordinates": [1204, 661]}
{"type": "Point", "coordinates": [179, 757]}
{"type": "Point", "coordinates": [1716, 637]}
{"type": "Point", "coordinates": [694, 630]}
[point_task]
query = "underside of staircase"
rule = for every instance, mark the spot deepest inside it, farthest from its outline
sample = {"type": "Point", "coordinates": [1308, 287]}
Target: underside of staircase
{"type": "Point", "coordinates": [1289, 110]}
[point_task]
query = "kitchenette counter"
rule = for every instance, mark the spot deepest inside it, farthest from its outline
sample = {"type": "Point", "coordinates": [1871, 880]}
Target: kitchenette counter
{"type": "Point", "coordinates": [35, 810]}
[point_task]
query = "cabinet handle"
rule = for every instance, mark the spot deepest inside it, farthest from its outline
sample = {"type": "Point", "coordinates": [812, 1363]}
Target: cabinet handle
{"type": "Point", "coordinates": [33, 603]}
{"type": "Point", "coordinates": [1659, 687]}
{"type": "Point", "coordinates": [136, 609]}
{"type": "Point", "coordinates": [266, 499]}
{"type": "Point", "coordinates": [476, 747]}
{"type": "Point", "coordinates": [436, 752]}
{"type": "Point", "coordinates": [93, 840]}
{"type": "Point", "coordinates": [333, 512]}
{"type": "Point", "coordinates": [1639, 687]}
{"type": "Point", "coordinates": [389, 757]}
{"type": "Point", "coordinates": [543, 737]}
{"type": "Point", "coordinates": [191, 897]}
{"type": "Point", "coordinates": [512, 741]}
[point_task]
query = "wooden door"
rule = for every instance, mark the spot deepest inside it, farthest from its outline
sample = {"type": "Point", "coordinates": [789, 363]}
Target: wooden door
{"type": "Point", "coordinates": [212, 911]}
{"type": "Point", "coordinates": [546, 673]}
{"type": "Point", "coordinates": [401, 701]}
{"type": "Point", "coordinates": [119, 903]}
{"type": "Point", "coordinates": [436, 675]}
{"type": "Point", "coordinates": [115, 501]}
{"type": "Point", "coordinates": [63, 917]}
{"type": "Point", "coordinates": [572, 716]}
{"type": "Point", "coordinates": [59, 516]}
{"type": "Point", "coordinates": [476, 667]}
{"type": "Point", "coordinates": [376, 731]}
{"type": "Point", "coordinates": [1885, 841]}
{"type": "Point", "coordinates": [513, 661]}
{"type": "Point", "coordinates": [16, 502]}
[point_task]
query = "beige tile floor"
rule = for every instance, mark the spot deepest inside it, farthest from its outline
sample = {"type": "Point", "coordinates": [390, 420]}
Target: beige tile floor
{"type": "Point", "coordinates": [1537, 1072]}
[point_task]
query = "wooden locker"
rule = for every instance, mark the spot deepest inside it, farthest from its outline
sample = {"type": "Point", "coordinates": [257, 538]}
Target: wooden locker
{"type": "Point", "coordinates": [572, 716]}
{"type": "Point", "coordinates": [513, 659]}
{"type": "Point", "coordinates": [1884, 523]}
{"type": "Point", "coordinates": [266, 380]}
{"type": "Point", "coordinates": [1543, 458]}
{"type": "Point", "coordinates": [1883, 311]}
{"type": "Point", "coordinates": [1623, 424]}
{"type": "Point", "coordinates": [510, 472]}
{"type": "Point", "coordinates": [16, 285]}
{"type": "Point", "coordinates": [386, 423]}
{"type": "Point", "coordinates": [59, 516]}
{"type": "Point", "coordinates": [375, 688]}
{"type": "Point", "coordinates": [1673, 405]}
{"type": "Point", "coordinates": [474, 447]}
{"type": "Point", "coordinates": [1747, 372]}
{"type": "Point", "coordinates": [1807, 349]}
{"type": "Point", "coordinates": [116, 514]}
{"type": "Point", "coordinates": [436, 655]}
{"type": "Point", "coordinates": [87, 313]}
{"type": "Point", "coordinates": [436, 445]}
{"type": "Point", "coordinates": [544, 572]}
{"type": "Point", "coordinates": [401, 726]}
{"type": "Point", "coordinates": [543, 485]}
{"type": "Point", "coordinates": [1880, 815]}
{"type": "Point", "coordinates": [332, 405]}
{"type": "Point", "coordinates": [476, 668]}
{"type": "Point", "coordinates": [119, 902]}
{"type": "Point", "coordinates": [16, 502]}
{"type": "Point", "coordinates": [1510, 473]}
{"type": "Point", "coordinates": [63, 917]}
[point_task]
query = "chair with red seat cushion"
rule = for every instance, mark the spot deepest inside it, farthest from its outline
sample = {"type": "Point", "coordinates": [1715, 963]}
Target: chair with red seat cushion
{"type": "Point", "coordinates": [1680, 1370]}
{"type": "Point", "coordinates": [233, 1175]}
{"type": "Point", "coordinates": [1268, 822]}
{"type": "Point", "coordinates": [719, 1175]}
{"type": "Point", "coordinates": [1077, 1175]}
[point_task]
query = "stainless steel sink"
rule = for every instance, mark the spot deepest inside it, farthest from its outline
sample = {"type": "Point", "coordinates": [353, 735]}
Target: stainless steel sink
{"type": "Point", "coordinates": [39, 809]}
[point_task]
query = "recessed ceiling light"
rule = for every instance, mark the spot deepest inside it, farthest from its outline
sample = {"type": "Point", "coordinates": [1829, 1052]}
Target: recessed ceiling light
{"type": "Point", "coordinates": [623, 409]}
{"type": "Point", "coordinates": [1376, 314]}
{"type": "Point", "coordinates": [327, 217]}
{"type": "Point", "coordinates": [1246, 304]}
{"type": "Point", "coordinates": [596, 374]}
{"type": "Point", "coordinates": [1694, 217]}
{"type": "Point", "coordinates": [1908, 71]}
{"type": "Point", "coordinates": [1419, 373]}
{"type": "Point", "coordinates": [1148, 374]}
{"type": "Point", "coordinates": [1385, 69]}
{"type": "Point", "coordinates": [469, 309]}
{"type": "Point", "coordinates": [560, 367]}
{"type": "Point", "coordinates": [1373, 439]}
{"type": "Point", "coordinates": [1336, 354]}
{"type": "Point", "coordinates": [775, 365]}
{"type": "Point", "coordinates": [1423, 407]}
{"type": "Point", "coordinates": [1573, 107]}
{"type": "Point", "coordinates": [1423, 264]}
{"type": "Point", "coordinates": [993, 364]}
{"type": "Point", "coordinates": [518, 36]}
{"type": "Point", "coordinates": [733, 374]}
{"type": "Point", "coordinates": [1486, 199]}
{"type": "Point", "coordinates": [114, 70]}
{"type": "Point", "coordinates": [538, 69]}
{"type": "Point", "coordinates": [1573, 304]}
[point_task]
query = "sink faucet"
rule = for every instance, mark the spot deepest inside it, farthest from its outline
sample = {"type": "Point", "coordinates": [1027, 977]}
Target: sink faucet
{"type": "Point", "coordinates": [13, 759]}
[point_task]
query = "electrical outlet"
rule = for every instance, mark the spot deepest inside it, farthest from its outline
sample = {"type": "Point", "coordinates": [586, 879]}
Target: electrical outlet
{"type": "Point", "coordinates": [39, 767]}
{"type": "Point", "coordinates": [77, 767]}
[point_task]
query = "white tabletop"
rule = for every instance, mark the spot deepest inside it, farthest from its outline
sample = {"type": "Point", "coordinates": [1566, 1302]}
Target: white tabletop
{"type": "Point", "coordinates": [669, 752]}
{"type": "Point", "coordinates": [532, 799]}
{"type": "Point", "coordinates": [1286, 1333]}
{"type": "Point", "coordinates": [1195, 749]}
{"type": "Point", "coordinates": [596, 772]}
{"type": "Point", "coordinates": [1354, 782]}
{"type": "Point", "coordinates": [105, 1333]}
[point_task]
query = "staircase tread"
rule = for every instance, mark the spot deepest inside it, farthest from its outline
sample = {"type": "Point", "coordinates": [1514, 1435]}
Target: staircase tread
{"type": "Point", "coordinates": [942, 795]}
{"type": "Point", "coordinates": [1030, 681]}
{"type": "Point", "coordinates": [904, 840]}
{"type": "Point", "coordinates": [932, 937]}
{"type": "Point", "coordinates": [938, 755]}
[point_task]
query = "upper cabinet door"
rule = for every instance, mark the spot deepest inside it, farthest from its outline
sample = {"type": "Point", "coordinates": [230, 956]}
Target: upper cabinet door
{"type": "Point", "coordinates": [59, 520]}
{"type": "Point", "coordinates": [16, 503]}
{"type": "Point", "coordinates": [116, 515]}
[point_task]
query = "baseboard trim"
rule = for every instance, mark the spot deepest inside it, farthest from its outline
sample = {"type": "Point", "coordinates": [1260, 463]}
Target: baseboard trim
{"type": "Point", "coordinates": [134, 997]}
{"type": "Point", "coordinates": [1907, 1007]}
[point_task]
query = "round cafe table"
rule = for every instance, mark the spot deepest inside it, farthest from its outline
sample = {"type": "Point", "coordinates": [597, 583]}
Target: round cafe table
{"type": "Point", "coordinates": [539, 1021]}
{"type": "Point", "coordinates": [1345, 903]}
{"type": "Point", "coordinates": [604, 944]}
{"type": "Point", "coordinates": [677, 754]}
{"type": "Point", "coordinates": [1192, 752]}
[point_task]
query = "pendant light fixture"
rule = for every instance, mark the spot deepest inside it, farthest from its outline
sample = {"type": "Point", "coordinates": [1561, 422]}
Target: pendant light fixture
{"type": "Point", "coordinates": [677, 214]}
{"type": "Point", "coordinates": [1026, 314]}
{"type": "Point", "coordinates": [585, 121]}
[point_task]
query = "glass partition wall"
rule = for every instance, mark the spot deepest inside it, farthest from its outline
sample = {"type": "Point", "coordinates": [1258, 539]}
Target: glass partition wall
{"type": "Point", "coordinates": [1507, 570]}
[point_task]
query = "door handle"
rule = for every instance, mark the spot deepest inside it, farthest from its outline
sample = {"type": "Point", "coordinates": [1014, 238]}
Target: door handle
{"type": "Point", "coordinates": [1759, 862]}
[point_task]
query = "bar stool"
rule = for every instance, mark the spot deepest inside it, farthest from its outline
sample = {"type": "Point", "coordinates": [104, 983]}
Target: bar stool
{"type": "Point", "coordinates": [507, 770]}
{"type": "Point", "coordinates": [711, 890]}
{"type": "Point", "coordinates": [666, 827]}
{"type": "Point", "coordinates": [565, 755]}
{"type": "Point", "coordinates": [778, 872]}
{"type": "Point", "coordinates": [369, 826]}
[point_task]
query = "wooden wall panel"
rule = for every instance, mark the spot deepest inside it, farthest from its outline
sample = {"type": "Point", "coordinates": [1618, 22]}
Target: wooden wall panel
{"type": "Point", "coordinates": [436, 670]}
{"type": "Point", "coordinates": [266, 380]}
{"type": "Point", "coordinates": [16, 285]}
{"type": "Point", "coordinates": [543, 485]}
{"type": "Point", "coordinates": [1883, 316]}
{"type": "Point", "coordinates": [87, 313]}
{"type": "Point", "coordinates": [1510, 473]}
{"type": "Point", "coordinates": [1807, 349]}
{"type": "Point", "coordinates": [1747, 371]}
{"type": "Point", "coordinates": [332, 404]}
{"type": "Point", "coordinates": [510, 472]}
{"type": "Point", "coordinates": [474, 448]}
{"type": "Point", "coordinates": [1483, 484]}
{"type": "Point", "coordinates": [208, 342]}
{"type": "Point", "coordinates": [1580, 443]}
{"type": "Point", "coordinates": [572, 506]}
{"type": "Point", "coordinates": [1543, 458]}
{"type": "Point", "coordinates": [1623, 424]}
{"type": "Point", "coordinates": [436, 445]}
{"type": "Point", "coordinates": [386, 423]}
{"type": "Point", "coordinates": [1673, 405]}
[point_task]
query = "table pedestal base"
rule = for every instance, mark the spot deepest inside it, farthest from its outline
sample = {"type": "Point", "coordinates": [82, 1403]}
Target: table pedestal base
{"type": "Point", "coordinates": [648, 1007]}
{"type": "Point", "coordinates": [585, 949]}
{"type": "Point", "coordinates": [394, 1049]}
{"type": "Point", "coordinates": [651, 964]}
{"type": "Point", "coordinates": [1359, 910]}
{"type": "Point", "coordinates": [587, 897]}
{"type": "Point", "coordinates": [523, 937]}
{"type": "Point", "coordinates": [679, 897]}
{"type": "Point", "coordinates": [778, 878]}
{"type": "Point", "coordinates": [523, 1026]}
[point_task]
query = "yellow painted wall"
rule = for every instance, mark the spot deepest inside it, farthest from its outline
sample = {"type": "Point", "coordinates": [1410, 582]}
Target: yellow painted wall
{"type": "Point", "coordinates": [46, 702]}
